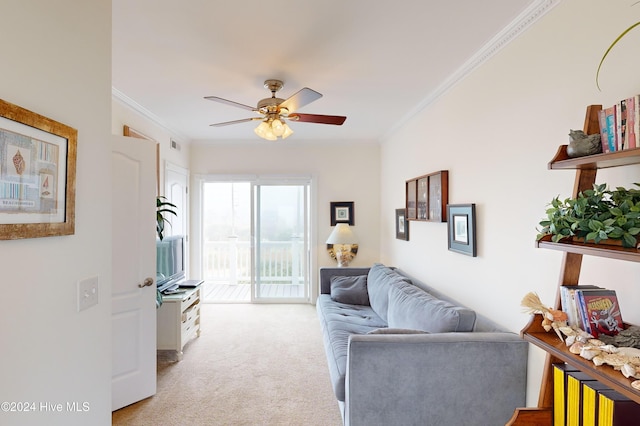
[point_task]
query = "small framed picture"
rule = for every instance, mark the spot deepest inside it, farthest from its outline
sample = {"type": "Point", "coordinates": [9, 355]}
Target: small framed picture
{"type": "Point", "coordinates": [411, 197]}
{"type": "Point", "coordinates": [402, 225]}
{"type": "Point", "coordinates": [461, 224]}
{"type": "Point", "coordinates": [342, 212]}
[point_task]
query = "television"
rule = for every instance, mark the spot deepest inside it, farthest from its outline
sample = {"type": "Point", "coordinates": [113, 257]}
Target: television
{"type": "Point", "coordinates": [170, 262]}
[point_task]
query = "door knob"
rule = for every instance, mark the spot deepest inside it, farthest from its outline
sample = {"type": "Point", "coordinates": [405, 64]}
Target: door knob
{"type": "Point", "coordinates": [147, 282]}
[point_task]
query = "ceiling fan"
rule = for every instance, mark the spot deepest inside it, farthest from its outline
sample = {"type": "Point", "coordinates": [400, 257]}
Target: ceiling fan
{"type": "Point", "coordinates": [274, 111]}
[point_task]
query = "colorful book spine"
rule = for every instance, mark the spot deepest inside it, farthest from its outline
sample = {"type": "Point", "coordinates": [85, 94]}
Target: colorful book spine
{"type": "Point", "coordinates": [635, 143]}
{"type": "Point", "coordinates": [568, 302]}
{"type": "Point", "coordinates": [575, 381]}
{"type": "Point", "coordinates": [610, 119]}
{"type": "Point", "coordinates": [631, 134]}
{"type": "Point", "coordinates": [621, 124]}
{"type": "Point", "coordinates": [590, 407]}
{"type": "Point", "coordinates": [604, 134]}
{"type": "Point", "coordinates": [615, 409]}
{"type": "Point", "coordinates": [560, 393]}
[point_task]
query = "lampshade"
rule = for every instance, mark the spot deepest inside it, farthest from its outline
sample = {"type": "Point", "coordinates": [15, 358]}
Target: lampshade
{"type": "Point", "coordinates": [272, 128]}
{"type": "Point", "coordinates": [342, 234]}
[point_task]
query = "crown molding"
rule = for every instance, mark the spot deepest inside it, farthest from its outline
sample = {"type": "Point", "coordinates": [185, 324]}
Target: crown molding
{"type": "Point", "coordinates": [523, 22]}
{"type": "Point", "coordinates": [127, 101]}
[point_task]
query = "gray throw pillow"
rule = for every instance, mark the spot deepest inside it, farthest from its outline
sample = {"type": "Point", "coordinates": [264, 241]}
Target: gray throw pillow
{"type": "Point", "coordinates": [413, 308]}
{"type": "Point", "coordinates": [351, 290]}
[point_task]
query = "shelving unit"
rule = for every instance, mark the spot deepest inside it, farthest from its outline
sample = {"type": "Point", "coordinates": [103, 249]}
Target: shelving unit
{"type": "Point", "coordinates": [586, 169]}
{"type": "Point", "coordinates": [178, 320]}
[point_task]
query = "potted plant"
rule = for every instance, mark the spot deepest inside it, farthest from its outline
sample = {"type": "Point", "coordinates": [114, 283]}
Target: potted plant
{"type": "Point", "coordinates": [163, 207]}
{"type": "Point", "coordinates": [595, 215]}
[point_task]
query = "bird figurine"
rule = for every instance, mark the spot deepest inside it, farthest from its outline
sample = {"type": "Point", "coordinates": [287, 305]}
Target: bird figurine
{"type": "Point", "coordinates": [582, 144]}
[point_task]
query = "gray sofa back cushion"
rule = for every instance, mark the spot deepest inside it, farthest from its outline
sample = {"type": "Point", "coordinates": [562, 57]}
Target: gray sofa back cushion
{"type": "Point", "coordinates": [413, 308]}
{"type": "Point", "coordinates": [351, 290]}
{"type": "Point", "coordinates": [379, 280]}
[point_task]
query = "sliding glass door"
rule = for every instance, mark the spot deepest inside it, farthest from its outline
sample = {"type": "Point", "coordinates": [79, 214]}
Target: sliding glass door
{"type": "Point", "coordinates": [255, 239]}
{"type": "Point", "coordinates": [281, 241]}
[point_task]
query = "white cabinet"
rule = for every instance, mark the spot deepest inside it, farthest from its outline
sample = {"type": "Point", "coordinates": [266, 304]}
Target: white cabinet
{"type": "Point", "coordinates": [178, 320]}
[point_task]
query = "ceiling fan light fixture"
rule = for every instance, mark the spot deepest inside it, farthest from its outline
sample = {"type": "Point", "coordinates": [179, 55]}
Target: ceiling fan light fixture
{"type": "Point", "coordinates": [262, 129]}
{"type": "Point", "coordinates": [277, 127]}
{"type": "Point", "coordinates": [287, 131]}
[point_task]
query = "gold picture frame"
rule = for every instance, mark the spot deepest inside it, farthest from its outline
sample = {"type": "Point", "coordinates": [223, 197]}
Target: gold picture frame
{"type": "Point", "coordinates": [37, 175]}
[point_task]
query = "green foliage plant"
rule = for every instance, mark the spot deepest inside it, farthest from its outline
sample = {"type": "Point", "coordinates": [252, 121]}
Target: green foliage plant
{"type": "Point", "coordinates": [163, 207]}
{"type": "Point", "coordinates": [596, 215]}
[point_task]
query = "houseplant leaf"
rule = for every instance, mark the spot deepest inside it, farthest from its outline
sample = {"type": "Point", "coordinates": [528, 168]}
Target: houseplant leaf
{"type": "Point", "coordinates": [609, 49]}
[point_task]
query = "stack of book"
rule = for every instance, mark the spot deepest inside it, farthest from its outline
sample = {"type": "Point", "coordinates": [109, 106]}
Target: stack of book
{"type": "Point", "coordinates": [620, 125]}
{"type": "Point", "coordinates": [594, 309]}
{"type": "Point", "coordinates": [582, 400]}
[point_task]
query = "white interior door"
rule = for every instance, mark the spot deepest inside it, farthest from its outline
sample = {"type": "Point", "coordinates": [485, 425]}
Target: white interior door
{"type": "Point", "coordinates": [176, 190]}
{"type": "Point", "coordinates": [133, 263]}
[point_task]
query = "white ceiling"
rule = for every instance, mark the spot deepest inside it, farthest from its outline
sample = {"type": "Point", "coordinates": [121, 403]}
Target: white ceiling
{"type": "Point", "coordinates": [376, 62]}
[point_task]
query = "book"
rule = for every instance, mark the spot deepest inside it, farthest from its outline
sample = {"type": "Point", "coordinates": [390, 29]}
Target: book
{"type": "Point", "coordinates": [604, 134]}
{"type": "Point", "coordinates": [610, 122]}
{"type": "Point", "coordinates": [600, 311]}
{"type": "Point", "coordinates": [568, 302]}
{"type": "Point", "coordinates": [560, 392]}
{"type": "Point", "coordinates": [631, 134]}
{"type": "Point", "coordinates": [590, 407]}
{"type": "Point", "coordinates": [621, 124]}
{"type": "Point", "coordinates": [615, 409]}
{"type": "Point", "coordinates": [635, 143]}
{"type": "Point", "coordinates": [575, 380]}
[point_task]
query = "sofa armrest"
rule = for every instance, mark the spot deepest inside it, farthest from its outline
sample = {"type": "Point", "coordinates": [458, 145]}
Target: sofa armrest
{"type": "Point", "coordinates": [425, 379]}
{"type": "Point", "coordinates": [327, 272]}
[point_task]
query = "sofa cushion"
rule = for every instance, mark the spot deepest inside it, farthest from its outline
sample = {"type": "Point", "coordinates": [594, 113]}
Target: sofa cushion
{"type": "Point", "coordinates": [413, 308]}
{"type": "Point", "coordinates": [351, 290]}
{"type": "Point", "coordinates": [379, 280]}
{"type": "Point", "coordinates": [396, 331]}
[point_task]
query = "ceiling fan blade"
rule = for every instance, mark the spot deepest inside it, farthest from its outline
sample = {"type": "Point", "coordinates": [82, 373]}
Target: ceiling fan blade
{"type": "Point", "coordinates": [226, 123]}
{"type": "Point", "coordinates": [317, 118]}
{"type": "Point", "coordinates": [299, 99]}
{"type": "Point", "coordinates": [232, 103]}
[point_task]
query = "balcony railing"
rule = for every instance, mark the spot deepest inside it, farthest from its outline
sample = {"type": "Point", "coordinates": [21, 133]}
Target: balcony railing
{"type": "Point", "coordinates": [230, 262]}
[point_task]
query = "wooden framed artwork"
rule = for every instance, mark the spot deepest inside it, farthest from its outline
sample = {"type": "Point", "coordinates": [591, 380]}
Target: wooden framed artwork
{"type": "Point", "coordinates": [37, 175]}
{"type": "Point", "coordinates": [423, 193]}
{"type": "Point", "coordinates": [342, 212]}
{"type": "Point", "coordinates": [411, 197]}
{"type": "Point", "coordinates": [427, 197]}
{"type": "Point", "coordinates": [402, 225]}
{"type": "Point", "coordinates": [461, 224]}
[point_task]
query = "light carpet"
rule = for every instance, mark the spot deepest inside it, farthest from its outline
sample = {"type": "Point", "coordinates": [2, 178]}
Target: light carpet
{"type": "Point", "coordinates": [252, 365]}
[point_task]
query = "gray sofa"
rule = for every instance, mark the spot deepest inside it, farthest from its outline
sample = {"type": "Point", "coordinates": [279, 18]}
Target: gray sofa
{"type": "Point", "coordinates": [401, 353]}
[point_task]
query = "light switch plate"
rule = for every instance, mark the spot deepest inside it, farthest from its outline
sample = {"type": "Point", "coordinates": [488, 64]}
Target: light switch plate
{"type": "Point", "coordinates": [87, 293]}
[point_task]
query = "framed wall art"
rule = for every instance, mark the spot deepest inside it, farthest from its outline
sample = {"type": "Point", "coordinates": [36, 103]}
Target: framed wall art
{"type": "Point", "coordinates": [411, 197]}
{"type": "Point", "coordinates": [37, 175]}
{"type": "Point", "coordinates": [461, 224]}
{"type": "Point", "coordinates": [427, 197]}
{"type": "Point", "coordinates": [342, 212]}
{"type": "Point", "coordinates": [402, 225]}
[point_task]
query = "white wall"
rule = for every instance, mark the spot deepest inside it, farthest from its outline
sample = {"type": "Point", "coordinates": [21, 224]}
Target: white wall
{"type": "Point", "coordinates": [495, 133]}
{"type": "Point", "coordinates": [341, 173]}
{"type": "Point", "coordinates": [56, 61]}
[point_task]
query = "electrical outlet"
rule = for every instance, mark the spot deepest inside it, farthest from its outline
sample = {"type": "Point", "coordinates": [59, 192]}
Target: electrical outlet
{"type": "Point", "coordinates": [87, 293]}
